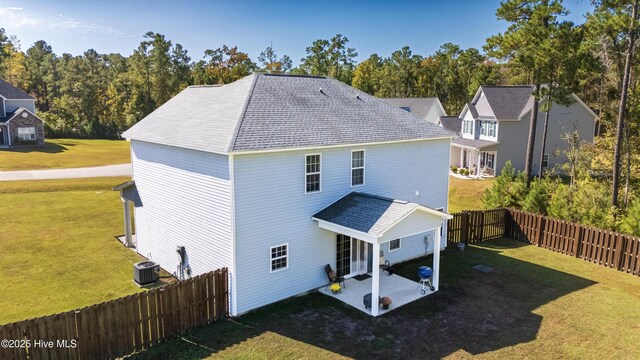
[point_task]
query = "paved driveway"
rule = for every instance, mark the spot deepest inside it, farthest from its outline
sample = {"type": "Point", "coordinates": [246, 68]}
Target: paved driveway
{"type": "Point", "coordinates": [71, 173]}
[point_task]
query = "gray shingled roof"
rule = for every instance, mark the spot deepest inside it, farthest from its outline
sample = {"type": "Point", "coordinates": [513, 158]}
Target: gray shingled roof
{"type": "Point", "coordinates": [366, 213]}
{"type": "Point", "coordinates": [477, 144]}
{"type": "Point", "coordinates": [474, 111]}
{"type": "Point", "coordinates": [11, 92]}
{"type": "Point", "coordinates": [270, 112]}
{"type": "Point", "coordinates": [452, 123]}
{"type": "Point", "coordinates": [419, 107]}
{"type": "Point", "coordinates": [508, 102]}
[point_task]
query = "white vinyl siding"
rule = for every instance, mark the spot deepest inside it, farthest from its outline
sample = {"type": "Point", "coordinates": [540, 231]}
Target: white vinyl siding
{"type": "Point", "coordinates": [185, 200]}
{"type": "Point", "coordinates": [357, 167]}
{"type": "Point", "coordinates": [270, 215]}
{"type": "Point", "coordinates": [313, 176]}
{"type": "Point", "coordinates": [27, 133]}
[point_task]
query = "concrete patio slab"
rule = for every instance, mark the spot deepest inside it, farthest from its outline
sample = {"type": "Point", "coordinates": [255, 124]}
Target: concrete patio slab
{"type": "Point", "coordinates": [401, 291]}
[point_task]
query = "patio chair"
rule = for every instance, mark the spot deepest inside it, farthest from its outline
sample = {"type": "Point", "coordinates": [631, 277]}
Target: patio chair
{"type": "Point", "coordinates": [333, 277]}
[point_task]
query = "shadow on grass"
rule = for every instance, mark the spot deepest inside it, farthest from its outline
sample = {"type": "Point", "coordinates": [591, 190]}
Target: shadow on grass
{"type": "Point", "coordinates": [49, 148]}
{"type": "Point", "coordinates": [473, 311]}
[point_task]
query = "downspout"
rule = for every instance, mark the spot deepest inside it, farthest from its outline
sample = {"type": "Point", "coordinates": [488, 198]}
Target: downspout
{"type": "Point", "coordinates": [234, 268]}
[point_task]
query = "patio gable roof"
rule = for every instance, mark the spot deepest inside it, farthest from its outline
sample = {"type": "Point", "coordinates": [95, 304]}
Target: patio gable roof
{"type": "Point", "coordinates": [375, 218]}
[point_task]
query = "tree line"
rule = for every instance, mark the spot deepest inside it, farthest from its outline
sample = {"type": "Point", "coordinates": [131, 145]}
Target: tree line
{"type": "Point", "coordinates": [97, 95]}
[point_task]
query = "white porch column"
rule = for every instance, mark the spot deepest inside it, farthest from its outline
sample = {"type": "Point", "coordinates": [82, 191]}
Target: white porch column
{"type": "Point", "coordinates": [478, 165]}
{"type": "Point", "coordinates": [436, 260]}
{"type": "Point", "coordinates": [375, 280]}
{"type": "Point", "coordinates": [127, 222]}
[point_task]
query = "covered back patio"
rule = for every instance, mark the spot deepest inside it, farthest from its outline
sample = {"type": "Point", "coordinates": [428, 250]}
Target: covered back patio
{"type": "Point", "coordinates": [367, 222]}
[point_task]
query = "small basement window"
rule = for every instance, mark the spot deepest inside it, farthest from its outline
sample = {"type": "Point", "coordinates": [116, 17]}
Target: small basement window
{"type": "Point", "coordinates": [394, 245]}
{"type": "Point", "coordinates": [279, 257]}
{"type": "Point", "coordinates": [27, 133]}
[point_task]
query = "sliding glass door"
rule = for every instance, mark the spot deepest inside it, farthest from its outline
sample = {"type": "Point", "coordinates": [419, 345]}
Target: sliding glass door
{"type": "Point", "coordinates": [352, 256]}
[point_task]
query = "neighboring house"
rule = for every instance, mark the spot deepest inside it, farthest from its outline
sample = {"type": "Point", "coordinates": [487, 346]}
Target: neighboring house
{"type": "Point", "coordinates": [19, 124]}
{"type": "Point", "coordinates": [275, 176]}
{"type": "Point", "coordinates": [494, 129]}
{"type": "Point", "coordinates": [429, 109]}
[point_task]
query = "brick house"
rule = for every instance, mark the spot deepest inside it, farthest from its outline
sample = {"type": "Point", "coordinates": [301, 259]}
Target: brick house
{"type": "Point", "coordinates": [19, 124]}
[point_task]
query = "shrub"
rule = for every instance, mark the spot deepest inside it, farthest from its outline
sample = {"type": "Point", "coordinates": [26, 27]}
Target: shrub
{"type": "Point", "coordinates": [631, 223]}
{"type": "Point", "coordinates": [464, 172]}
{"type": "Point", "coordinates": [508, 189]}
{"type": "Point", "coordinates": [454, 169]}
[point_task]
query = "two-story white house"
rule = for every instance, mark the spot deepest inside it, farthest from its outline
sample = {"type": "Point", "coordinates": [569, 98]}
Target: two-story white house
{"type": "Point", "coordinates": [494, 129]}
{"type": "Point", "coordinates": [276, 176]}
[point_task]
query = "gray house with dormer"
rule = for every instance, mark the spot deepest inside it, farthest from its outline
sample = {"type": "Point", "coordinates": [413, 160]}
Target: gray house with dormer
{"type": "Point", "coordinates": [494, 129]}
{"type": "Point", "coordinates": [19, 124]}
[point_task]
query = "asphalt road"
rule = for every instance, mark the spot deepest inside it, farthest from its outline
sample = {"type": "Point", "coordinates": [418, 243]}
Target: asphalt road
{"type": "Point", "coordinates": [71, 173]}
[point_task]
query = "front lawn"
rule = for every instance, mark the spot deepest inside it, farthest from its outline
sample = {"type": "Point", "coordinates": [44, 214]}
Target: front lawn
{"type": "Point", "coordinates": [57, 246]}
{"type": "Point", "coordinates": [466, 194]}
{"type": "Point", "coordinates": [535, 304]}
{"type": "Point", "coordinates": [65, 153]}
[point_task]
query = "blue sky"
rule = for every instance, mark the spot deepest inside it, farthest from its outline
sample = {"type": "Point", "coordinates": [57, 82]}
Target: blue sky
{"type": "Point", "coordinates": [371, 26]}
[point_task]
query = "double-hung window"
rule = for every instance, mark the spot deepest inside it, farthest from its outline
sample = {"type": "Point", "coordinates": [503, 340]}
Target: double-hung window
{"type": "Point", "coordinates": [492, 129]}
{"type": "Point", "coordinates": [357, 167]}
{"type": "Point", "coordinates": [312, 172]}
{"type": "Point", "coordinates": [27, 133]}
{"type": "Point", "coordinates": [468, 127]}
{"type": "Point", "coordinates": [483, 128]}
{"type": "Point", "coordinates": [279, 257]}
{"type": "Point", "coordinates": [545, 161]}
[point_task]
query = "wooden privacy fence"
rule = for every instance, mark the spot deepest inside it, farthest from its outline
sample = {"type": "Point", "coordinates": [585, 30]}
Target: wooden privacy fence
{"type": "Point", "coordinates": [602, 247]}
{"type": "Point", "coordinates": [123, 326]}
{"type": "Point", "coordinates": [476, 226]}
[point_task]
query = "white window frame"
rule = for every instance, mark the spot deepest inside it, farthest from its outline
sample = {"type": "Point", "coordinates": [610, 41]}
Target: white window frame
{"type": "Point", "coordinates": [30, 133]}
{"type": "Point", "coordinates": [271, 259]}
{"type": "Point", "coordinates": [364, 159]}
{"type": "Point", "coordinates": [399, 244]}
{"type": "Point", "coordinates": [468, 123]}
{"type": "Point", "coordinates": [319, 173]}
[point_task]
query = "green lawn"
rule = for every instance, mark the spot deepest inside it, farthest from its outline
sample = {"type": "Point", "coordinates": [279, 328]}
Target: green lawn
{"type": "Point", "coordinates": [65, 153]}
{"type": "Point", "coordinates": [535, 304]}
{"type": "Point", "coordinates": [466, 194]}
{"type": "Point", "coordinates": [57, 246]}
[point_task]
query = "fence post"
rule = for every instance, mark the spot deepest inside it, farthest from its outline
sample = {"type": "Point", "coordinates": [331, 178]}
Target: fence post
{"type": "Point", "coordinates": [541, 228]}
{"type": "Point", "coordinates": [481, 221]}
{"type": "Point", "coordinates": [464, 228]}
{"type": "Point", "coordinates": [506, 218]}
{"type": "Point", "coordinates": [577, 245]}
{"type": "Point", "coordinates": [620, 246]}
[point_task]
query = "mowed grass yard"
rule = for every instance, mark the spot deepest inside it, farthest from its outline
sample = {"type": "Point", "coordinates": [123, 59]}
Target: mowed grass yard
{"type": "Point", "coordinates": [535, 304]}
{"type": "Point", "coordinates": [57, 246]}
{"type": "Point", "coordinates": [65, 153]}
{"type": "Point", "coordinates": [466, 194]}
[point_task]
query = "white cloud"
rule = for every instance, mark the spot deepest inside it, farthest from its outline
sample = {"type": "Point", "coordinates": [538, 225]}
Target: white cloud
{"type": "Point", "coordinates": [18, 18]}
